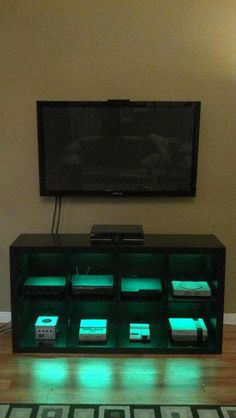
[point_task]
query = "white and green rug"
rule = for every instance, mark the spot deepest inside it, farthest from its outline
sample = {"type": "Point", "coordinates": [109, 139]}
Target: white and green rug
{"type": "Point", "coordinates": [115, 411]}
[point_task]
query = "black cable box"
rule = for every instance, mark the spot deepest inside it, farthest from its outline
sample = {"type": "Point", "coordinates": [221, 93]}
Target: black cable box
{"type": "Point", "coordinates": [117, 234]}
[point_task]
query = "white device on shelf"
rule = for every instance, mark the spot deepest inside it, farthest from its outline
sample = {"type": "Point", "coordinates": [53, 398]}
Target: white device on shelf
{"type": "Point", "coordinates": [93, 330]}
{"type": "Point", "coordinates": [45, 327]}
{"type": "Point", "coordinates": [188, 329]}
{"type": "Point", "coordinates": [190, 288]}
{"type": "Point", "coordinates": [139, 332]}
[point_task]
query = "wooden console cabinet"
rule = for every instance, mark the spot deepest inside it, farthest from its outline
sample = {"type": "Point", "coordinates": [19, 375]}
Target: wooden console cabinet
{"type": "Point", "coordinates": [167, 257]}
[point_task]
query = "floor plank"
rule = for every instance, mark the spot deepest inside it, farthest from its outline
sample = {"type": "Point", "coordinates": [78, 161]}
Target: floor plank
{"type": "Point", "coordinates": [120, 379]}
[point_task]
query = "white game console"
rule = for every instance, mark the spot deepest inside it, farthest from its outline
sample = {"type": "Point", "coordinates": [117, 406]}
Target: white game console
{"type": "Point", "coordinates": [188, 329]}
{"type": "Point", "coordinates": [190, 288]}
{"type": "Point", "coordinates": [93, 330]}
{"type": "Point", "coordinates": [139, 332]}
{"type": "Point", "coordinates": [45, 327]}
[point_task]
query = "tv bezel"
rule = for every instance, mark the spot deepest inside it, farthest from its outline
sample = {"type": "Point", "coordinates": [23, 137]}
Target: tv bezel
{"type": "Point", "coordinates": [196, 105]}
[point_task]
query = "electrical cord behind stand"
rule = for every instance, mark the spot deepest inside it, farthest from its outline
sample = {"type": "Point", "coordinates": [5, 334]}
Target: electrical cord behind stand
{"type": "Point", "coordinates": [59, 214]}
{"type": "Point", "coordinates": [5, 328]}
{"type": "Point", "coordinates": [56, 215]}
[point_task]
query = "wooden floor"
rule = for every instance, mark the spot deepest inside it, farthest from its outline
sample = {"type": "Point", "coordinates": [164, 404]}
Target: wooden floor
{"type": "Point", "coordinates": [119, 379]}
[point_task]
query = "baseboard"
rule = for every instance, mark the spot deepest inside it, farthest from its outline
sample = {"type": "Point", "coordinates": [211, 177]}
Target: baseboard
{"type": "Point", "coordinates": [5, 317]}
{"type": "Point", "coordinates": [229, 318]}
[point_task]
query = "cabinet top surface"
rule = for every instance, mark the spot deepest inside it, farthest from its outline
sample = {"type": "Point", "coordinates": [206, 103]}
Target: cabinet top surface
{"type": "Point", "coordinates": [162, 241]}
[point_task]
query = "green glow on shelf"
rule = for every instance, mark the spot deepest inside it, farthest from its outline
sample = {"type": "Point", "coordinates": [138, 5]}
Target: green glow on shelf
{"type": "Point", "coordinates": [46, 321]}
{"type": "Point", "coordinates": [45, 281]}
{"type": "Point", "coordinates": [93, 323]}
{"type": "Point", "coordinates": [182, 324]}
{"type": "Point", "coordinates": [134, 284]}
{"type": "Point", "coordinates": [92, 280]}
{"type": "Point", "coordinates": [95, 373]}
{"type": "Point", "coordinates": [191, 285]}
{"type": "Point", "coordinates": [50, 371]}
{"type": "Point", "coordinates": [186, 324]}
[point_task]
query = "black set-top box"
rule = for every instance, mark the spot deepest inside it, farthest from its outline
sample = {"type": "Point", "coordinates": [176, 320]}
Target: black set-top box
{"type": "Point", "coordinates": [45, 286]}
{"type": "Point", "coordinates": [93, 285]}
{"type": "Point", "coordinates": [140, 287]}
{"type": "Point", "coordinates": [117, 234]}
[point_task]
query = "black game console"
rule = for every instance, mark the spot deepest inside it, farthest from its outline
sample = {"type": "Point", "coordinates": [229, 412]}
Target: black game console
{"type": "Point", "coordinates": [117, 234]}
{"type": "Point", "coordinates": [92, 285]}
{"type": "Point", "coordinates": [45, 286]}
{"type": "Point", "coordinates": [140, 287]}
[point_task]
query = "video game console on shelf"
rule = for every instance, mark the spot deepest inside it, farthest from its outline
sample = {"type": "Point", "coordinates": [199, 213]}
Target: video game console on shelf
{"type": "Point", "coordinates": [117, 234]}
{"type": "Point", "coordinates": [139, 332]}
{"type": "Point", "coordinates": [188, 330]}
{"type": "Point", "coordinates": [44, 286]}
{"type": "Point", "coordinates": [97, 285]}
{"type": "Point", "coordinates": [140, 287]}
{"type": "Point", "coordinates": [46, 327]}
{"type": "Point", "coordinates": [190, 288]}
{"type": "Point", "coordinates": [93, 330]}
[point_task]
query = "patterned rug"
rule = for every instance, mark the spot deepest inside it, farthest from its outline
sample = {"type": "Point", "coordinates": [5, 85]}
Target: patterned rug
{"type": "Point", "coordinates": [115, 411]}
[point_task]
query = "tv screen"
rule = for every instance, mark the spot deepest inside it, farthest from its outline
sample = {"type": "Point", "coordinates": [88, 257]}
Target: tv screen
{"type": "Point", "coordinates": [118, 148]}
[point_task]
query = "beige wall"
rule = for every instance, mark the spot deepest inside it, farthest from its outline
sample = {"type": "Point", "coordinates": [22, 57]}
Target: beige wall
{"type": "Point", "coordinates": [136, 49]}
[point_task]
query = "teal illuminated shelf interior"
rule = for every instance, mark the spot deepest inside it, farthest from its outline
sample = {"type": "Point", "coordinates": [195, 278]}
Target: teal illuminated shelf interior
{"type": "Point", "coordinates": [136, 284]}
{"type": "Point", "coordinates": [166, 283]}
{"type": "Point", "coordinates": [45, 281]}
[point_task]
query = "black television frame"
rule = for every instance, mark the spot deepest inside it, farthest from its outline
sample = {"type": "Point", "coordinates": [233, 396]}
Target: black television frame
{"type": "Point", "coordinates": [196, 105]}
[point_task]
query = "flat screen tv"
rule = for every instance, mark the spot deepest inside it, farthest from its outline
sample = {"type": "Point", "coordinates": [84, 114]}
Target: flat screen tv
{"type": "Point", "coordinates": [118, 147]}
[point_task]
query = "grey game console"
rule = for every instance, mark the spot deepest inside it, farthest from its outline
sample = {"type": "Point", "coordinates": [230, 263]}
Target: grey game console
{"type": "Point", "coordinates": [188, 330]}
{"type": "Point", "coordinates": [182, 288]}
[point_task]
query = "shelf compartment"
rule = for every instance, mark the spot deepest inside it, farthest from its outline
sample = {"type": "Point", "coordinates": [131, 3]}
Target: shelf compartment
{"type": "Point", "coordinates": [90, 263]}
{"type": "Point", "coordinates": [191, 308]}
{"type": "Point", "coordinates": [140, 288]}
{"type": "Point", "coordinates": [187, 266]}
{"type": "Point", "coordinates": [141, 264]}
{"type": "Point", "coordinates": [44, 287]}
{"type": "Point", "coordinates": [91, 308]}
{"type": "Point", "coordinates": [140, 310]}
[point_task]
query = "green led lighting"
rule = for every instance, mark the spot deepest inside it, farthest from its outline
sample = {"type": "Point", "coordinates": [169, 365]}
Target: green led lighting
{"type": "Point", "coordinates": [191, 285]}
{"type": "Point", "coordinates": [182, 324]}
{"type": "Point", "coordinates": [95, 373]}
{"type": "Point", "coordinates": [186, 324]}
{"type": "Point", "coordinates": [45, 281]}
{"type": "Point", "coordinates": [179, 373]}
{"type": "Point", "coordinates": [92, 280]}
{"type": "Point", "coordinates": [134, 284]}
{"type": "Point", "coordinates": [93, 323]}
{"type": "Point", "coordinates": [141, 373]}
{"type": "Point", "coordinates": [53, 372]}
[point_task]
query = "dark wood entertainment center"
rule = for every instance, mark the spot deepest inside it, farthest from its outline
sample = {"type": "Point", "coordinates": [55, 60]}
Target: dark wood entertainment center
{"type": "Point", "coordinates": [168, 257]}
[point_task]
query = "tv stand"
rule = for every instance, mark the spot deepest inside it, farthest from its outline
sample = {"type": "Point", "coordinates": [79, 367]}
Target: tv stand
{"type": "Point", "coordinates": [117, 298]}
